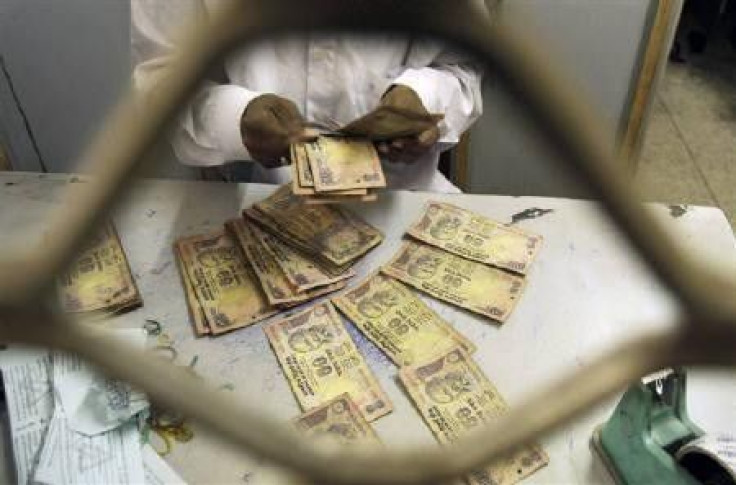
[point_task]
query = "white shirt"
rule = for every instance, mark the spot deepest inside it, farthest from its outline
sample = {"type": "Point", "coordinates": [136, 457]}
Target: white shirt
{"type": "Point", "coordinates": [332, 79]}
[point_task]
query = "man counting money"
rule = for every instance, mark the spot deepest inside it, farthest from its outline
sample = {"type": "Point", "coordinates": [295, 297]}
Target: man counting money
{"type": "Point", "coordinates": [271, 92]}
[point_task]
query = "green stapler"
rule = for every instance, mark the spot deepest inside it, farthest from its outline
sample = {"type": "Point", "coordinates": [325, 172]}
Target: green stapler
{"type": "Point", "coordinates": [639, 442]}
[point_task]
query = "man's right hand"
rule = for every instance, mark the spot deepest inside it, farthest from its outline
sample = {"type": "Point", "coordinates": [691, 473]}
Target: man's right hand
{"type": "Point", "coordinates": [269, 125]}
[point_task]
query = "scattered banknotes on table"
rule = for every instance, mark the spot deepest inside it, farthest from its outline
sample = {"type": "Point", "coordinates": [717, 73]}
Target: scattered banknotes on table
{"type": "Point", "coordinates": [321, 361]}
{"type": "Point", "coordinates": [475, 237]}
{"type": "Point", "coordinates": [468, 284]}
{"type": "Point", "coordinates": [338, 420]}
{"type": "Point", "coordinates": [99, 281]}
{"type": "Point", "coordinates": [333, 170]}
{"type": "Point", "coordinates": [454, 397]}
{"type": "Point", "coordinates": [398, 322]}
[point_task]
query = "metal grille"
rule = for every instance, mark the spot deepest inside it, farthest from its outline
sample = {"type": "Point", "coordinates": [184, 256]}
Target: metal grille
{"type": "Point", "coordinates": [706, 334]}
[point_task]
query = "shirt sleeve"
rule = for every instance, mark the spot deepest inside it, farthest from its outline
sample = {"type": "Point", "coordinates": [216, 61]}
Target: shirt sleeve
{"type": "Point", "coordinates": [447, 84]}
{"type": "Point", "coordinates": [208, 131]}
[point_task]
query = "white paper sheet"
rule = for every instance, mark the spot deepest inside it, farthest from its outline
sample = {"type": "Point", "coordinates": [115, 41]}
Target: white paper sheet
{"type": "Point", "coordinates": [46, 447]}
{"type": "Point", "coordinates": [69, 457]}
{"type": "Point", "coordinates": [157, 471]}
{"type": "Point", "coordinates": [93, 403]}
{"type": "Point", "coordinates": [30, 405]}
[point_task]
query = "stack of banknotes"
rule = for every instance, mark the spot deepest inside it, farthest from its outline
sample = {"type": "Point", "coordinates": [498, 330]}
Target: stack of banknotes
{"type": "Point", "coordinates": [335, 169]}
{"type": "Point", "coordinates": [466, 259]}
{"type": "Point", "coordinates": [99, 282]}
{"type": "Point", "coordinates": [280, 254]}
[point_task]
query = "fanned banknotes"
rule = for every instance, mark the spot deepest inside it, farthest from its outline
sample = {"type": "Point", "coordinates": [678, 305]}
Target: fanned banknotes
{"type": "Point", "coordinates": [339, 420]}
{"type": "Point", "coordinates": [321, 361]}
{"type": "Point", "coordinates": [277, 287]}
{"type": "Point", "coordinates": [332, 170]}
{"type": "Point", "coordinates": [398, 322]}
{"type": "Point", "coordinates": [328, 232]}
{"type": "Point", "coordinates": [476, 237]}
{"type": "Point", "coordinates": [301, 271]}
{"type": "Point", "coordinates": [454, 397]}
{"type": "Point", "coordinates": [474, 286]}
{"type": "Point", "coordinates": [99, 281]}
{"type": "Point", "coordinates": [226, 288]}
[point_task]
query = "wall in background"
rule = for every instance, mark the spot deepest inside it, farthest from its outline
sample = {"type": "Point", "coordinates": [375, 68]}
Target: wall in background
{"type": "Point", "coordinates": [67, 61]}
{"type": "Point", "coordinates": [598, 44]}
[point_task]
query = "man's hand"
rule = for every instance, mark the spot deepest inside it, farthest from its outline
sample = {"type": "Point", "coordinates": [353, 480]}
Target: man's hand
{"type": "Point", "coordinates": [407, 149]}
{"type": "Point", "coordinates": [269, 125]}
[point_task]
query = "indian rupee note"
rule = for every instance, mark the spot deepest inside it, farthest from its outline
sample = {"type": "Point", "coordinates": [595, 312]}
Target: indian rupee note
{"type": "Point", "coordinates": [199, 321]}
{"type": "Point", "coordinates": [321, 361]}
{"type": "Point", "coordinates": [474, 286]}
{"type": "Point", "coordinates": [227, 290]}
{"type": "Point", "coordinates": [336, 234]}
{"type": "Point", "coordinates": [398, 322]}
{"type": "Point", "coordinates": [338, 419]}
{"type": "Point", "coordinates": [344, 163]}
{"type": "Point", "coordinates": [302, 272]}
{"type": "Point", "coordinates": [454, 397]}
{"type": "Point", "coordinates": [99, 281]}
{"type": "Point", "coordinates": [475, 237]}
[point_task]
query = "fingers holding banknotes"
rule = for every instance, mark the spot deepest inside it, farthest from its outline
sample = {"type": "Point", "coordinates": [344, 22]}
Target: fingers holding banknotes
{"type": "Point", "coordinates": [409, 149]}
{"type": "Point", "coordinates": [269, 125]}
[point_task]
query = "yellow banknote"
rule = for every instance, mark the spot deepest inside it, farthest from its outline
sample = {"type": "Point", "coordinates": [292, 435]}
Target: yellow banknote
{"type": "Point", "coordinates": [474, 286]}
{"type": "Point", "coordinates": [336, 234]}
{"type": "Point", "coordinates": [338, 419]}
{"type": "Point", "coordinates": [99, 280]}
{"type": "Point", "coordinates": [344, 163]}
{"type": "Point", "coordinates": [228, 291]}
{"type": "Point", "coordinates": [321, 361]}
{"type": "Point", "coordinates": [475, 237]}
{"type": "Point", "coordinates": [275, 285]}
{"type": "Point", "coordinates": [302, 272]}
{"type": "Point", "coordinates": [454, 397]}
{"type": "Point", "coordinates": [199, 321]}
{"type": "Point", "coordinates": [300, 171]}
{"type": "Point", "coordinates": [398, 322]}
{"type": "Point", "coordinates": [269, 225]}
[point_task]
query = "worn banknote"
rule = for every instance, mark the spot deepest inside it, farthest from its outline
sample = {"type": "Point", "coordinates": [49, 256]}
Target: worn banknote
{"type": "Point", "coordinates": [277, 287]}
{"type": "Point", "coordinates": [339, 420]}
{"type": "Point", "coordinates": [99, 281]}
{"type": "Point", "coordinates": [398, 322]}
{"type": "Point", "coordinates": [270, 226]}
{"type": "Point", "coordinates": [332, 232]}
{"type": "Point", "coordinates": [471, 285]}
{"type": "Point", "coordinates": [321, 361]}
{"type": "Point", "coordinates": [344, 163]}
{"type": "Point", "coordinates": [303, 182]}
{"type": "Point", "coordinates": [196, 314]}
{"type": "Point", "coordinates": [303, 272]}
{"type": "Point", "coordinates": [454, 397]}
{"type": "Point", "coordinates": [475, 237]}
{"type": "Point", "coordinates": [227, 289]}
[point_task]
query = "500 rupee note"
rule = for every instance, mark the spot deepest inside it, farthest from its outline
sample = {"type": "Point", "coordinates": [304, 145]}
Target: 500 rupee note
{"type": "Point", "coordinates": [475, 237]}
{"type": "Point", "coordinates": [474, 286]}
{"type": "Point", "coordinates": [398, 322]}
{"type": "Point", "coordinates": [454, 397]}
{"type": "Point", "coordinates": [321, 361]}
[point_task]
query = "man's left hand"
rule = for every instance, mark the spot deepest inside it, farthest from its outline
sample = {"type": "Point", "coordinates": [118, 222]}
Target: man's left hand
{"type": "Point", "coordinates": [409, 149]}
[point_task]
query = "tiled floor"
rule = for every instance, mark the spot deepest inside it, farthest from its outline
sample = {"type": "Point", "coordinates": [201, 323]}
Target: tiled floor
{"type": "Point", "coordinates": [689, 153]}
